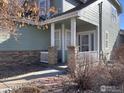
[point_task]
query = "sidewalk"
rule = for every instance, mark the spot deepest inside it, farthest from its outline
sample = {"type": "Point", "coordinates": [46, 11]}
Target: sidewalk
{"type": "Point", "coordinates": [25, 78]}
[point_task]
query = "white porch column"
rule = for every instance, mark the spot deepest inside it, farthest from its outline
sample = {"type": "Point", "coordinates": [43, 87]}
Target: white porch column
{"type": "Point", "coordinates": [63, 43]}
{"type": "Point", "coordinates": [73, 31]}
{"type": "Point", "coordinates": [52, 34]}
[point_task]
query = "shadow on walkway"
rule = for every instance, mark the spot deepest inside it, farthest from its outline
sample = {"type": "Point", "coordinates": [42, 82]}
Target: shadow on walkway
{"type": "Point", "coordinates": [49, 71]}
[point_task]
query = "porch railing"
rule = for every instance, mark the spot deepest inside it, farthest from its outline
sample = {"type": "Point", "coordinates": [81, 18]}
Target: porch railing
{"type": "Point", "coordinates": [44, 57]}
{"type": "Point", "coordinates": [88, 56]}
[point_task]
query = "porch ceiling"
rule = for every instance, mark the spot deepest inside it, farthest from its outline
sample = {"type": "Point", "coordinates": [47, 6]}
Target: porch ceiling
{"type": "Point", "coordinates": [80, 24]}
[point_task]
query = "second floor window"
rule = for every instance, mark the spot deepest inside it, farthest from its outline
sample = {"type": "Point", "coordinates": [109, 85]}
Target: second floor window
{"type": "Point", "coordinates": [44, 5]}
{"type": "Point", "coordinates": [114, 14]}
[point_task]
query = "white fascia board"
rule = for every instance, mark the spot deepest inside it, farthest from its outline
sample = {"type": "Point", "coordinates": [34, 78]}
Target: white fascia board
{"type": "Point", "coordinates": [118, 2]}
{"type": "Point", "coordinates": [60, 18]}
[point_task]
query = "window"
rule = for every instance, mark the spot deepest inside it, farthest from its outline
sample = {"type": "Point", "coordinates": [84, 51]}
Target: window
{"type": "Point", "coordinates": [58, 39]}
{"type": "Point", "coordinates": [107, 39]}
{"type": "Point", "coordinates": [114, 14]}
{"type": "Point", "coordinates": [44, 5]}
{"type": "Point", "coordinates": [84, 43]}
{"type": "Point", "coordinates": [67, 38]}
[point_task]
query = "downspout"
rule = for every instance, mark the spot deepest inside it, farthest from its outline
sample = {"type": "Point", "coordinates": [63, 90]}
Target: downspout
{"type": "Point", "coordinates": [100, 31]}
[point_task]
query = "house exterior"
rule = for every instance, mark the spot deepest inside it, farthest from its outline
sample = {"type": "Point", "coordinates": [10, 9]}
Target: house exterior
{"type": "Point", "coordinates": [90, 26]}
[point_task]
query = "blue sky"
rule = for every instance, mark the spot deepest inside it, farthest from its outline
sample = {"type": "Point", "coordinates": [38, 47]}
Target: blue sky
{"type": "Point", "coordinates": [122, 15]}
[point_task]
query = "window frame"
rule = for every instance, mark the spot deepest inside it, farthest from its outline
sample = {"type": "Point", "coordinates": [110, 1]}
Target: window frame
{"type": "Point", "coordinates": [89, 33]}
{"type": "Point", "coordinates": [46, 6]}
{"type": "Point", "coordinates": [114, 14]}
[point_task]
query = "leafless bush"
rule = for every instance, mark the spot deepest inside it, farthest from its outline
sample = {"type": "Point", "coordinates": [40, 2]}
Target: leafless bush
{"type": "Point", "coordinates": [118, 54]}
{"type": "Point", "coordinates": [28, 90]}
{"type": "Point", "coordinates": [90, 74]}
{"type": "Point", "coordinates": [117, 74]}
{"type": "Point", "coordinates": [117, 69]}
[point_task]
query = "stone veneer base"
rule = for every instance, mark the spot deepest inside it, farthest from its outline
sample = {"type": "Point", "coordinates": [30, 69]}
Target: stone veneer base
{"type": "Point", "coordinates": [26, 57]}
{"type": "Point", "coordinates": [52, 55]}
{"type": "Point", "coordinates": [72, 52]}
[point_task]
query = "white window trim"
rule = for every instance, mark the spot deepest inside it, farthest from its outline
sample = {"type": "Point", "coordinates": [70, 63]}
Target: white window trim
{"type": "Point", "coordinates": [114, 17]}
{"type": "Point", "coordinates": [88, 33]}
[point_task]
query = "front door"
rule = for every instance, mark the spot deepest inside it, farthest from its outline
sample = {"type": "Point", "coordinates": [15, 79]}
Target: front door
{"type": "Point", "coordinates": [86, 41]}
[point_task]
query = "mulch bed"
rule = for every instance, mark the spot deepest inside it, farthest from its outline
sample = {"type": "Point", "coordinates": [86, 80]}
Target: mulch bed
{"type": "Point", "coordinates": [51, 85]}
{"type": "Point", "coordinates": [46, 85]}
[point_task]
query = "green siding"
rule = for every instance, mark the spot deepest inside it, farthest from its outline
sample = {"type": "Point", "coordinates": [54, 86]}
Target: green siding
{"type": "Point", "coordinates": [30, 39]}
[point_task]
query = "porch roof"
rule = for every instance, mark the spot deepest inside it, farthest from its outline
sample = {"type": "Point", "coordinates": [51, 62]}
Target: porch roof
{"type": "Point", "coordinates": [74, 12]}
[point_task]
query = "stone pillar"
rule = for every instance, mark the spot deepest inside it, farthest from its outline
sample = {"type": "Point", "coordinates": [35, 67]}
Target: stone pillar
{"type": "Point", "coordinates": [72, 57]}
{"type": "Point", "coordinates": [52, 55]}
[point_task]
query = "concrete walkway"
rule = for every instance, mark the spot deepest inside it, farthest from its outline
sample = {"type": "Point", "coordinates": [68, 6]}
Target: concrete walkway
{"type": "Point", "coordinates": [49, 72]}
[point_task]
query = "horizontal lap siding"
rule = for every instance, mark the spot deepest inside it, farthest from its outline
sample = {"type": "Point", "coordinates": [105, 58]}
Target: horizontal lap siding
{"type": "Point", "coordinates": [29, 38]}
{"type": "Point", "coordinates": [91, 13]}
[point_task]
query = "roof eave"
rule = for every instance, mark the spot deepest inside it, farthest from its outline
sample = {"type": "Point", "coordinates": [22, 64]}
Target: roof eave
{"type": "Point", "coordinates": [118, 4]}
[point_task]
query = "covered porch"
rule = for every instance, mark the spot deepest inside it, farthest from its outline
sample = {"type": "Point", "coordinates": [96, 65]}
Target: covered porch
{"type": "Point", "coordinates": [69, 36]}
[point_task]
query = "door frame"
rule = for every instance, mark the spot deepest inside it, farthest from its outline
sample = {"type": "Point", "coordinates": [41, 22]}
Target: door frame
{"type": "Point", "coordinates": [89, 38]}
